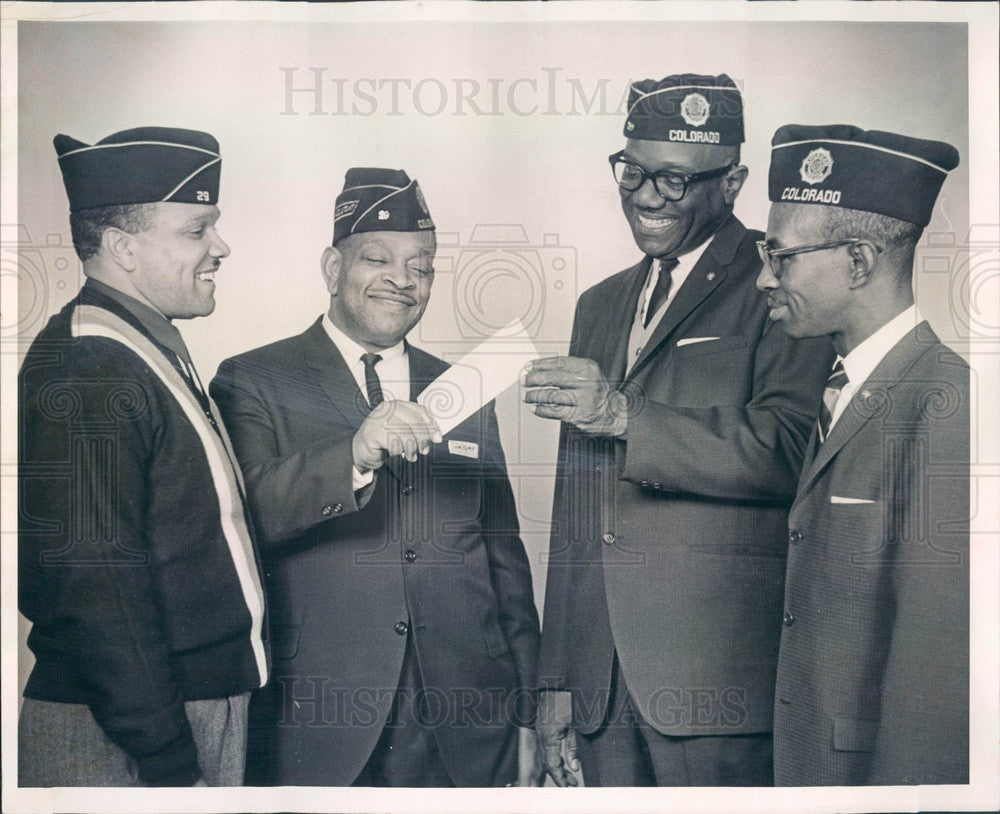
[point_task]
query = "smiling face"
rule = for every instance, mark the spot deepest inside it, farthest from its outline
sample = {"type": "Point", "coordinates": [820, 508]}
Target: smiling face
{"type": "Point", "coordinates": [379, 284]}
{"type": "Point", "coordinates": [810, 293]}
{"type": "Point", "coordinates": [176, 257]}
{"type": "Point", "coordinates": [663, 228]}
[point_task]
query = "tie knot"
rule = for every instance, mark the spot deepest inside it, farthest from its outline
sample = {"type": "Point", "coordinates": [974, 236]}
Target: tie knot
{"type": "Point", "coordinates": [668, 265]}
{"type": "Point", "coordinates": [370, 359]}
{"type": "Point", "coordinates": [838, 376]}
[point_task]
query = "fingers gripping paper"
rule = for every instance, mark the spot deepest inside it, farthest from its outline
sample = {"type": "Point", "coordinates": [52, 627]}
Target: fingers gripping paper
{"type": "Point", "coordinates": [479, 376]}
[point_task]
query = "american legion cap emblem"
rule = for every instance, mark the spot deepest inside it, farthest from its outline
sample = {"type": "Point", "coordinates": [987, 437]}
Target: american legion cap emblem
{"type": "Point", "coordinates": [694, 109]}
{"type": "Point", "coordinates": [816, 166]}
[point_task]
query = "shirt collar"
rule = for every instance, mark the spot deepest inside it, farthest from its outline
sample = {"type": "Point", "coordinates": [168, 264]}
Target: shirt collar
{"type": "Point", "coordinates": [158, 326]}
{"type": "Point", "coordinates": [351, 350]}
{"type": "Point", "coordinates": [860, 362]}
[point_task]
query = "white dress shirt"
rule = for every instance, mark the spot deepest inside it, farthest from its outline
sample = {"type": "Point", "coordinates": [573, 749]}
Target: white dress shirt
{"type": "Point", "coordinates": [393, 373]}
{"type": "Point", "coordinates": [860, 362]}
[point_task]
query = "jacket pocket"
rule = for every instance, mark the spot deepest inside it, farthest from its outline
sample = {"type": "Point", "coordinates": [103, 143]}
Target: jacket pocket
{"type": "Point", "coordinates": [853, 734]}
{"type": "Point", "coordinates": [496, 642]}
{"type": "Point", "coordinates": [285, 641]}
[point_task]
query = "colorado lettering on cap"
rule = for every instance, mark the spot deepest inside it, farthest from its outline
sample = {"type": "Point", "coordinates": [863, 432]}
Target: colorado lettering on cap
{"type": "Point", "coordinates": [827, 196]}
{"type": "Point", "coordinates": [868, 170]}
{"type": "Point", "coordinates": [694, 136]}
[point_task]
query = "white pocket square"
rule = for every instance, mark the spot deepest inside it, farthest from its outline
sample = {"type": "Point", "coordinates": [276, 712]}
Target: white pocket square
{"type": "Point", "coordinates": [693, 339]}
{"type": "Point", "coordinates": [854, 501]}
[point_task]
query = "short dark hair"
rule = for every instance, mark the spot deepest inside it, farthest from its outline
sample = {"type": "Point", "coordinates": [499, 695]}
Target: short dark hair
{"type": "Point", "coordinates": [888, 232]}
{"type": "Point", "coordinates": [87, 225]}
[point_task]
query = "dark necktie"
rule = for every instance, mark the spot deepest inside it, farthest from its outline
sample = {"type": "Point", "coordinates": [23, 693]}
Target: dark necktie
{"type": "Point", "coordinates": [834, 384]}
{"type": "Point", "coordinates": [372, 383]}
{"type": "Point", "coordinates": [661, 290]}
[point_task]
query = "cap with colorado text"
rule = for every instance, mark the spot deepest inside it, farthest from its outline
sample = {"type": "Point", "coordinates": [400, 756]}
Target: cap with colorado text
{"type": "Point", "coordinates": [141, 165]}
{"type": "Point", "coordinates": [687, 108]}
{"type": "Point", "coordinates": [379, 200]}
{"type": "Point", "coordinates": [870, 170]}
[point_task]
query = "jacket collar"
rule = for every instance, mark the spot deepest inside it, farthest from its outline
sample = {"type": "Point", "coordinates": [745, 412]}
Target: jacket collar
{"type": "Point", "coordinates": [872, 400]}
{"type": "Point", "coordinates": [707, 274]}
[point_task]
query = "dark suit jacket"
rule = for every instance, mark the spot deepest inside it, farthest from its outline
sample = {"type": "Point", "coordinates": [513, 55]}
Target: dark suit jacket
{"type": "Point", "coordinates": [669, 547]}
{"type": "Point", "coordinates": [436, 546]}
{"type": "Point", "coordinates": [873, 672]}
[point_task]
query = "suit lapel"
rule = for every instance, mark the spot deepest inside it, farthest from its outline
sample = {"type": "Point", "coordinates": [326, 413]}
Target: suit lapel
{"type": "Point", "coordinates": [705, 277]}
{"type": "Point", "coordinates": [614, 357]}
{"type": "Point", "coordinates": [424, 369]}
{"type": "Point", "coordinates": [871, 400]}
{"type": "Point", "coordinates": [333, 375]}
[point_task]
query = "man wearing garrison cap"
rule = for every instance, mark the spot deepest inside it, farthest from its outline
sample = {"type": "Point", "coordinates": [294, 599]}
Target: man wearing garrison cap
{"type": "Point", "coordinates": [137, 564]}
{"type": "Point", "coordinates": [404, 628]}
{"type": "Point", "coordinates": [873, 671]}
{"type": "Point", "coordinates": [685, 414]}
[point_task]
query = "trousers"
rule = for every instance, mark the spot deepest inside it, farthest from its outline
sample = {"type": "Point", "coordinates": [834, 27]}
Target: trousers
{"type": "Point", "coordinates": [62, 745]}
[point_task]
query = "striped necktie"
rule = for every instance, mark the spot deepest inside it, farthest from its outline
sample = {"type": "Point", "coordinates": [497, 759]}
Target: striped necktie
{"type": "Point", "coordinates": [372, 383]}
{"type": "Point", "coordinates": [834, 384]}
{"type": "Point", "coordinates": [661, 291]}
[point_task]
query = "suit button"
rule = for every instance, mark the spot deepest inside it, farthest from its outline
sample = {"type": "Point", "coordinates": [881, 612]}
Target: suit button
{"type": "Point", "coordinates": [402, 628]}
{"type": "Point", "coordinates": [410, 555]}
{"type": "Point", "coordinates": [327, 511]}
{"type": "Point", "coordinates": [788, 618]}
{"type": "Point", "coordinates": [608, 537]}
{"type": "Point", "coordinates": [657, 485]}
{"type": "Point", "coordinates": [407, 489]}
{"type": "Point", "coordinates": [794, 536]}
{"type": "Point", "coordinates": [645, 483]}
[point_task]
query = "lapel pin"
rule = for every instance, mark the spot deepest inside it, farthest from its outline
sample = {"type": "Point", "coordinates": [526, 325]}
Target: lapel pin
{"type": "Point", "coordinates": [710, 275]}
{"type": "Point", "coordinates": [865, 394]}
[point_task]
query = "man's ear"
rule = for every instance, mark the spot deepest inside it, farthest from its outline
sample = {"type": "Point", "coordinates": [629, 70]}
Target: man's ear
{"type": "Point", "coordinates": [732, 183]}
{"type": "Point", "coordinates": [119, 247]}
{"type": "Point", "coordinates": [864, 258]}
{"type": "Point", "coordinates": [331, 264]}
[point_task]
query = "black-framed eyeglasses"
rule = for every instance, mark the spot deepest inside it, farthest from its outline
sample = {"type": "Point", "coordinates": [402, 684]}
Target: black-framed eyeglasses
{"type": "Point", "coordinates": [669, 185]}
{"type": "Point", "coordinates": [773, 257]}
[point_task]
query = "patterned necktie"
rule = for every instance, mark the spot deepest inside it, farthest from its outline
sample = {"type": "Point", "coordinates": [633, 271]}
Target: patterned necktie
{"type": "Point", "coordinates": [836, 382]}
{"type": "Point", "coordinates": [372, 383]}
{"type": "Point", "coordinates": [661, 290]}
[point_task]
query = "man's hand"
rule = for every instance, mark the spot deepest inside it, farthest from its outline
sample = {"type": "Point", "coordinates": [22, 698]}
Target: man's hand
{"type": "Point", "coordinates": [574, 390]}
{"type": "Point", "coordinates": [553, 729]}
{"type": "Point", "coordinates": [396, 427]}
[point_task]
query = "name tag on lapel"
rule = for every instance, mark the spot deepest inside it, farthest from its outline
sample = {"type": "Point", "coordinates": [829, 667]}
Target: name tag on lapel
{"type": "Point", "coordinates": [693, 339]}
{"type": "Point", "coordinates": [468, 449]}
{"type": "Point", "coordinates": [852, 501]}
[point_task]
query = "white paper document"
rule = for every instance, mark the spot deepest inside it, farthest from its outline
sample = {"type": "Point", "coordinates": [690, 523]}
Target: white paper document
{"type": "Point", "coordinates": [479, 376]}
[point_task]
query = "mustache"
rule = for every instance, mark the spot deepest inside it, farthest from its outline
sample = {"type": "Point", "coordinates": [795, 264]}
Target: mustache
{"type": "Point", "coordinates": [396, 296]}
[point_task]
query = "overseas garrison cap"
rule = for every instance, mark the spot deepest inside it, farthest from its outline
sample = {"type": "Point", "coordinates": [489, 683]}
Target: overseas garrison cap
{"type": "Point", "coordinates": [142, 165]}
{"type": "Point", "coordinates": [841, 165]}
{"type": "Point", "coordinates": [687, 108]}
{"type": "Point", "coordinates": [379, 200]}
